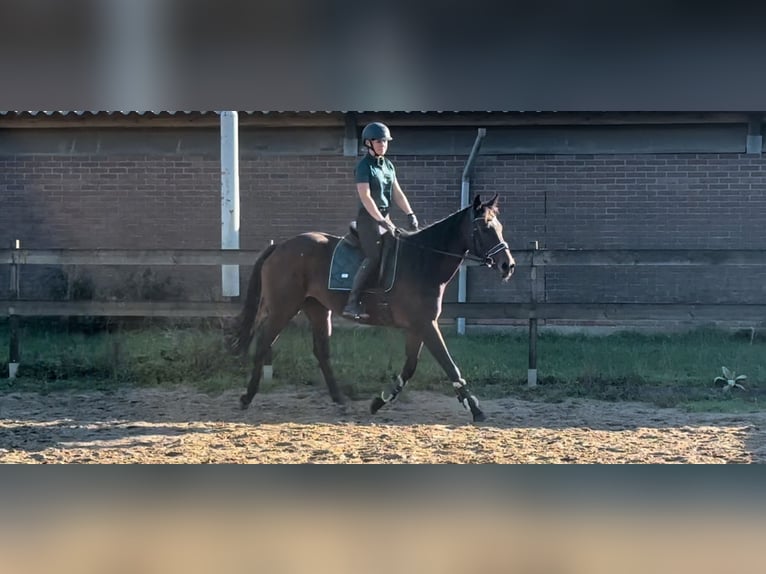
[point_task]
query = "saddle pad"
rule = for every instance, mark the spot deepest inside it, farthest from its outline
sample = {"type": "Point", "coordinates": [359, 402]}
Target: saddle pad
{"type": "Point", "coordinates": [346, 259]}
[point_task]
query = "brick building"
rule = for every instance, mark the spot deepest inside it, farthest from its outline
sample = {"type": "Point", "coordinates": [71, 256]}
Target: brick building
{"type": "Point", "coordinates": [567, 180]}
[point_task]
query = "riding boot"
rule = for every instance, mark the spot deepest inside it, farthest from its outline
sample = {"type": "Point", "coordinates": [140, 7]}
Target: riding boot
{"type": "Point", "coordinates": [353, 308]}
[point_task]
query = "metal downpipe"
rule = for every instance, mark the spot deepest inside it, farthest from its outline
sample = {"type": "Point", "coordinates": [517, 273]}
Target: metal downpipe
{"type": "Point", "coordinates": [465, 197]}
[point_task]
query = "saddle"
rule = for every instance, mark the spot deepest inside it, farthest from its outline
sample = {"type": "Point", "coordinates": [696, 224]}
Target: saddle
{"type": "Point", "coordinates": [348, 256]}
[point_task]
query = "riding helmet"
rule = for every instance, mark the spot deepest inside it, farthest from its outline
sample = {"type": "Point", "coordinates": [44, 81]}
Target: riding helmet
{"type": "Point", "coordinates": [376, 131]}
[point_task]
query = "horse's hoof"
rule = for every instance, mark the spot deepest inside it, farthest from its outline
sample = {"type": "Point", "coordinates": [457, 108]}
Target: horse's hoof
{"type": "Point", "coordinates": [377, 402]}
{"type": "Point", "coordinates": [479, 417]}
{"type": "Point", "coordinates": [244, 402]}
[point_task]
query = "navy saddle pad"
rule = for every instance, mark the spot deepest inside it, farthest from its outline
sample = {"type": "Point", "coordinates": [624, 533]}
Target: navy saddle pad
{"type": "Point", "coordinates": [347, 257]}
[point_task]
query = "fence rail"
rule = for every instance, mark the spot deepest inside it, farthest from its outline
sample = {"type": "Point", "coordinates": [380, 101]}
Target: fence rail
{"type": "Point", "coordinates": [518, 311]}
{"type": "Point", "coordinates": [127, 257]}
{"type": "Point", "coordinates": [650, 257]}
{"type": "Point", "coordinates": [534, 309]}
{"type": "Point", "coordinates": [524, 257]}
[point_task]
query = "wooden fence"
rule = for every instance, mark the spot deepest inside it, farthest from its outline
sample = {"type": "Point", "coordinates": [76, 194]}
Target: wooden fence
{"type": "Point", "coordinates": [532, 311]}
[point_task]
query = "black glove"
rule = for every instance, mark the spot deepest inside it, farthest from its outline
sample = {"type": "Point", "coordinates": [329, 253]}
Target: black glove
{"type": "Point", "coordinates": [412, 221]}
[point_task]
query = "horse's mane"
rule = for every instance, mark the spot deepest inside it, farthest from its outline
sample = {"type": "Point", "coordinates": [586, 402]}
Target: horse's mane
{"type": "Point", "coordinates": [418, 246]}
{"type": "Point", "coordinates": [438, 233]}
{"type": "Point", "coordinates": [489, 212]}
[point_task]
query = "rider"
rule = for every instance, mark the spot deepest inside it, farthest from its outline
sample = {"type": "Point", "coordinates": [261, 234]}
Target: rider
{"type": "Point", "coordinates": [377, 186]}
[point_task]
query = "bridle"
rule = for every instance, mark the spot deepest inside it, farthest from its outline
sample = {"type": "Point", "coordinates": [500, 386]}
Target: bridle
{"type": "Point", "coordinates": [486, 259]}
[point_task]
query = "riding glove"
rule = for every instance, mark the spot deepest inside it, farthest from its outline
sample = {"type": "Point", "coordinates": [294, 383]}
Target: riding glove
{"type": "Point", "coordinates": [412, 221]}
{"type": "Point", "coordinates": [390, 227]}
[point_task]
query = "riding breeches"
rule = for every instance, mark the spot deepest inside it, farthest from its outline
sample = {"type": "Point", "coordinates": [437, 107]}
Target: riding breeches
{"type": "Point", "coordinates": [369, 237]}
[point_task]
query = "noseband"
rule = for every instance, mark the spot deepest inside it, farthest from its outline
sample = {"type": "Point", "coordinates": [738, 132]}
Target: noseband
{"type": "Point", "coordinates": [487, 258]}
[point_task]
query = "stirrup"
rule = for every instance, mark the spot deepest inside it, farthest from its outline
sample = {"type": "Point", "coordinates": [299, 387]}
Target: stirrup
{"type": "Point", "coordinates": [354, 313]}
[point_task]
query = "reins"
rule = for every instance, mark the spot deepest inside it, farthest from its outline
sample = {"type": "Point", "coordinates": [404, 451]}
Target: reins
{"type": "Point", "coordinates": [486, 260]}
{"type": "Point", "coordinates": [467, 255]}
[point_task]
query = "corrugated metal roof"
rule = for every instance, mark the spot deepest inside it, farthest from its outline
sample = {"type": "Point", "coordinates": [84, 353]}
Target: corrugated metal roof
{"type": "Point", "coordinates": [86, 113]}
{"type": "Point", "coordinates": [59, 118]}
{"type": "Point", "coordinates": [96, 112]}
{"type": "Point", "coordinates": [64, 113]}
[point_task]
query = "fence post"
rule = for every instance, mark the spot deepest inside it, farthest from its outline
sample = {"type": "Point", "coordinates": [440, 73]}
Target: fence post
{"type": "Point", "coordinates": [268, 368]}
{"type": "Point", "coordinates": [532, 369]}
{"type": "Point", "coordinates": [13, 319]}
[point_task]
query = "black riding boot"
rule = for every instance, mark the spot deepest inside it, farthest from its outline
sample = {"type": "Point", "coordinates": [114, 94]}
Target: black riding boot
{"type": "Point", "coordinates": [353, 309]}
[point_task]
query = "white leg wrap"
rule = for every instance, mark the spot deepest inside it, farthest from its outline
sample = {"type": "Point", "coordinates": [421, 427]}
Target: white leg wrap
{"type": "Point", "coordinates": [462, 399]}
{"type": "Point", "coordinates": [466, 405]}
{"type": "Point", "coordinates": [398, 388]}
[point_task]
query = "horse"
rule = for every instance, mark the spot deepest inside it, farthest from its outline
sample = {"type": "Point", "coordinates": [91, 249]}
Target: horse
{"type": "Point", "coordinates": [294, 276]}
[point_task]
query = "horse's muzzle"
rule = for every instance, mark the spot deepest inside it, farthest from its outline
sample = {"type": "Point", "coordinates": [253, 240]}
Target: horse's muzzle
{"type": "Point", "coordinates": [506, 269]}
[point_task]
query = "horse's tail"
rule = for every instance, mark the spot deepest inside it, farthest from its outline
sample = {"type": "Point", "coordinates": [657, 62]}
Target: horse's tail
{"type": "Point", "coordinates": [243, 324]}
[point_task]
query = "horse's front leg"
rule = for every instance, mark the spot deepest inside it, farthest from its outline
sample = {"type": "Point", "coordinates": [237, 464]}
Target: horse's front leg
{"type": "Point", "coordinates": [432, 337]}
{"type": "Point", "coordinates": [413, 346]}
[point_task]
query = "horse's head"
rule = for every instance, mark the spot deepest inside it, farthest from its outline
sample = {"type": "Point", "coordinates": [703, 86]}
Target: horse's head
{"type": "Point", "coordinates": [488, 242]}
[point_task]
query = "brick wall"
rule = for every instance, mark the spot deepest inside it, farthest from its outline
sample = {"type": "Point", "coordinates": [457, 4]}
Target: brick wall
{"type": "Point", "coordinates": [108, 202]}
{"type": "Point", "coordinates": [128, 202]}
{"type": "Point", "coordinates": [713, 200]}
{"type": "Point", "coordinates": [669, 201]}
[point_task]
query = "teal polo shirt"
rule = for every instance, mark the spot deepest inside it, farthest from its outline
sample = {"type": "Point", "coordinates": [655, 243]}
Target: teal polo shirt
{"type": "Point", "coordinates": [381, 178]}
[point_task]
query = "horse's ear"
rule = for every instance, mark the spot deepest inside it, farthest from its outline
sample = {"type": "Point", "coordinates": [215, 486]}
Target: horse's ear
{"type": "Point", "coordinates": [492, 203]}
{"type": "Point", "coordinates": [476, 202]}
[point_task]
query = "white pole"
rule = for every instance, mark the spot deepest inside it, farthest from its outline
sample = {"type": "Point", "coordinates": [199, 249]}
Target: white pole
{"type": "Point", "coordinates": [465, 195]}
{"type": "Point", "coordinates": [462, 287]}
{"type": "Point", "coordinates": [229, 199]}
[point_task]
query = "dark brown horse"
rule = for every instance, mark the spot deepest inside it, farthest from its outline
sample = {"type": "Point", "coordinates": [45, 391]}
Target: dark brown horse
{"type": "Point", "coordinates": [294, 276]}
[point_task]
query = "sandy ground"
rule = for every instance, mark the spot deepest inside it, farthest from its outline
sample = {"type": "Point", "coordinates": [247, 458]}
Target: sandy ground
{"type": "Point", "coordinates": [301, 425]}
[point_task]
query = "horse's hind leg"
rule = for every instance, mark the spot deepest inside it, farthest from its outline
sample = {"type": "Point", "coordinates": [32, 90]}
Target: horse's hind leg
{"type": "Point", "coordinates": [268, 326]}
{"type": "Point", "coordinates": [412, 347]}
{"type": "Point", "coordinates": [321, 326]}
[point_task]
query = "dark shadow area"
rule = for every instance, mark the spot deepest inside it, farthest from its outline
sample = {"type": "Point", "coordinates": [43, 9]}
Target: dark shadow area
{"type": "Point", "coordinates": [36, 434]}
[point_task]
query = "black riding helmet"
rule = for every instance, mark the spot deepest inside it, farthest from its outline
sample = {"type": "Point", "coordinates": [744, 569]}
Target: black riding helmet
{"type": "Point", "coordinates": [375, 131]}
